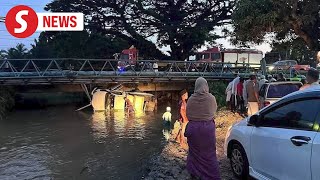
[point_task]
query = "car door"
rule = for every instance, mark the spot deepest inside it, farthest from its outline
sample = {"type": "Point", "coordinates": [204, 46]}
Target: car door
{"type": "Point", "coordinates": [281, 145]}
{"type": "Point", "coordinates": [315, 163]}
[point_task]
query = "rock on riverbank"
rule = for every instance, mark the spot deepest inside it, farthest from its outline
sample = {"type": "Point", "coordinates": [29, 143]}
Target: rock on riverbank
{"type": "Point", "coordinates": [172, 161]}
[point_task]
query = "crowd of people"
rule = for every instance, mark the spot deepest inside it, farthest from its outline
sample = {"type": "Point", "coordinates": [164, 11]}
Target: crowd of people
{"type": "Point", "coordinates": [243, 95]}
{"type": "Point", "coordinates": [196, 117]}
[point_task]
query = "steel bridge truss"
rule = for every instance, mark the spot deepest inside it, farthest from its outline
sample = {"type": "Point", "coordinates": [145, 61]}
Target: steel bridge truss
{"type": "Point", "coordinates": [88, 71]}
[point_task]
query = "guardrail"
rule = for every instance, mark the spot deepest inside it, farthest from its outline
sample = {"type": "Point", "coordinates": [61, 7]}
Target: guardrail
{"type": "Point", "coordinates": [107, 70]}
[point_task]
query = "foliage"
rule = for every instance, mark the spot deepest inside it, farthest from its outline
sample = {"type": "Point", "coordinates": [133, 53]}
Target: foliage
{"type": "Point", "coordinates": [184, 25]}
{"type": "Point", "coordinates": [19, 52]}
{"type": "Point", "coordinates": [76, 45]}
{"type": "Point", "coordinates": [217, 88]}
{"type": "Point", "coordinates": [294, 49]}
{"type": "Point", "coordinates": [288, 19]}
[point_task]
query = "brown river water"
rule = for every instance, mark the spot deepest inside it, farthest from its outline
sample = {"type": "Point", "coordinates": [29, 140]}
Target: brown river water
{"type": "Point", "coordinates": [59, 143]}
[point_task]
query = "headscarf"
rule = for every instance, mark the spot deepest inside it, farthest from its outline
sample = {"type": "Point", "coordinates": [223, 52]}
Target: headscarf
{"type": "Point", "coordinates": [201, 105]}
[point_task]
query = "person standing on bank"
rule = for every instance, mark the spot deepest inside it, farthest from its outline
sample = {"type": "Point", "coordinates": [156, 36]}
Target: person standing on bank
{"type": "Point", "coordinates": [202, 158]}
{"type": "Point", "coordinates": [228, 93]}
{"type": "Point", "coordinates": [240, 99]}
{"type": "Point", "coordinates": [182, 118]}
{"type": "Point", "coordinates": [252, 89]}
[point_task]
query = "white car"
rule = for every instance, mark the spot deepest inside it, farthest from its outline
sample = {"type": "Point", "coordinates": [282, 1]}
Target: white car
{"type": "Point", "coordinates": [281, 141]}
{"type": "Point", "coordinates": [272, 92]}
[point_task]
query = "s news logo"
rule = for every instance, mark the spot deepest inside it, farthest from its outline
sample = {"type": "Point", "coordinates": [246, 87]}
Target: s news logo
{"type": "Point", "coordinates": [22, 21]}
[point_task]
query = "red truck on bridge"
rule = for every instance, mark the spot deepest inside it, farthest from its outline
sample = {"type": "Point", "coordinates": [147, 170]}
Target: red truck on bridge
{"type": "Point", "coordinates": [228, 57]}
{"type": "Point", "coordinates": [231, 57]}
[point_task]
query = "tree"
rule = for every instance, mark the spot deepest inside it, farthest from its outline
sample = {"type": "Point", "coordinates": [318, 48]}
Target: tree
{"type": "Point", "coordinates": [3, 54]}
{"type": "Point", "coordinates": [76, 45]}
{"type": "Point", "coordinates": [184, 25]}
{"type": "Point", "coordinates": [295, 50]}
{"type": "Point", "coordinates": [19, 52]}
{"type": "Point", "coordinates": [288, 19]}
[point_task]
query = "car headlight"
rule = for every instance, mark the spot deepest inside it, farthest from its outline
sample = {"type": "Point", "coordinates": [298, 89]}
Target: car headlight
{"type": "Point", "coordinates": [271, 68]}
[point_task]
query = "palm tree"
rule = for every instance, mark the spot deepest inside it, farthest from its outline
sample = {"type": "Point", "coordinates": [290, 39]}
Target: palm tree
{"type": "Point", "coordinates": [3, 54]}
{"type": "Point", "coordinates": [19, 52]}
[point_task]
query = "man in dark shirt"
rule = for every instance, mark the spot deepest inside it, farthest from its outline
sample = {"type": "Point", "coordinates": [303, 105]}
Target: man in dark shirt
{"type": "Point", "coordinates": [240, 96]}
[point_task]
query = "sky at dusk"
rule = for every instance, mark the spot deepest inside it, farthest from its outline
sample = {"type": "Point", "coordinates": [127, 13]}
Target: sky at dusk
{"type": "Point", "coordinates": [7, 41]}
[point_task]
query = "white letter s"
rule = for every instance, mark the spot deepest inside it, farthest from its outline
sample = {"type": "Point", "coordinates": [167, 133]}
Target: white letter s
{"type": "Point", "coordinates": [21, 21]}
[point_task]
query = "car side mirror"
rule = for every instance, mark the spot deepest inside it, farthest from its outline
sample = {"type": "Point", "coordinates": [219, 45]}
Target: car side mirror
{"type": "Point", "coordinates": [254, 120]}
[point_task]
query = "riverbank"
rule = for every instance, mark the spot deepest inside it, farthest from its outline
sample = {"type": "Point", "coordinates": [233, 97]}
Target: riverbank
{"type": "Point", "coordinates": [171, 162]}
{"type": "Point", "coordinates": [6, 101]}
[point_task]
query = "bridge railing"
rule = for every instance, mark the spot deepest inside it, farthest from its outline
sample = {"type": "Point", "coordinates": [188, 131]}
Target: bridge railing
{"type": "Point", "coordinates": [103, 68]}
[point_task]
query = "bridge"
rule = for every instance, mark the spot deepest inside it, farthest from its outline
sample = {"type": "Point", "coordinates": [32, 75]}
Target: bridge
{"type": "Point", "coordinates": [94, 71]}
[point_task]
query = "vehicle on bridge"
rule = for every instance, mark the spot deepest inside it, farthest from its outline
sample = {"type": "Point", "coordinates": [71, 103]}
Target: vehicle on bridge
{"type": "Point", "coordinates": [127, 58]}
{"type": "Point", "coordinates": [227, 58]}
{"type": "Point", "coordinates": [231, 57]}
{"type": "Point", "coordinates": [288, 65]}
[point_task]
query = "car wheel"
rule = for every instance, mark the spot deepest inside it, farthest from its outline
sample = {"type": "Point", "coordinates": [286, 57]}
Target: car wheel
{"type": "Point", "coordinates": [239, 162]}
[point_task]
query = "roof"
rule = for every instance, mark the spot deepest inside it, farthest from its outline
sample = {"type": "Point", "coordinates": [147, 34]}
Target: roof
{"type": "Point", "coordinates": [311, 91]}
{"type": "Point", "coordinates": [251, 51]}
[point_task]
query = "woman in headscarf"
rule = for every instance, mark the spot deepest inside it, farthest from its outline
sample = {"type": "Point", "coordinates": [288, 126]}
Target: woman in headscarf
{"type": "Point", "coordinates": [202, 159]}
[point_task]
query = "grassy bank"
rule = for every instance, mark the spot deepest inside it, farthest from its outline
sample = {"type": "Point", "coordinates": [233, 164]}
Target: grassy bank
{"type": "Point", "coordinates": [6, 100]}
{"type": "Point", "coordinates": [217, 88]}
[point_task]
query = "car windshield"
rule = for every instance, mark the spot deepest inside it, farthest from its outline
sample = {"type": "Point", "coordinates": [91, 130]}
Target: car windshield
{"type": "Point", "coordinates": [281, 90]}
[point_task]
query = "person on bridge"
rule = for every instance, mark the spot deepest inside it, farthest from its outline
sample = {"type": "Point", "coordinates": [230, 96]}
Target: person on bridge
{"type": "Point", "coordinates": [182, 119]}
{"type": "Point", "coordinates": [202, 158]}
{"type": "Point", "coordinates": [252, 89]}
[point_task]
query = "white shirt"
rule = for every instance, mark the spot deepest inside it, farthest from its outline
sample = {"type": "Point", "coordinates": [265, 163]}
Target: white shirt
{"type": "Point", "coordinates": [228, 91]}
{"type": "Point", "coordinates": [166, 116]}
{"type": "Point", "coordinates": [234, 85]}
